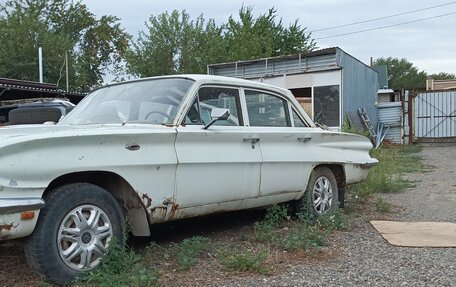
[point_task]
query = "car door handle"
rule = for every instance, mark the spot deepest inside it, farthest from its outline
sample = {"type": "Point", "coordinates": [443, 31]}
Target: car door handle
{"type": "Point", "coordinates": [253, 141]}
{"type": "Point", "coordinates": [304, 139]}
{"type": "Point", "coordinates": [132, 146]}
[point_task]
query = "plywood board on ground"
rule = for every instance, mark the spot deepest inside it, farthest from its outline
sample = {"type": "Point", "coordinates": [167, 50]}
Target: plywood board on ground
{"type": "Point", "coordinates": [417, 234]}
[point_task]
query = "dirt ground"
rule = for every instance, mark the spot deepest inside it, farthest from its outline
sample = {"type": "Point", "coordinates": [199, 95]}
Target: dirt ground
{"type": "Point", "coordinates": [358, 257]}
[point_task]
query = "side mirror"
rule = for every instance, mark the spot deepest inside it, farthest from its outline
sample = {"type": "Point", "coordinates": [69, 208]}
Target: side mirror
{"type": "Point", "coordinates": [217, 114]}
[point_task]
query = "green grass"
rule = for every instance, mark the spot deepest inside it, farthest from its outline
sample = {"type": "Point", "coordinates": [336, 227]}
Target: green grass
{"type": "Point", "coordinates": [381, 205]}
{"type": "Point", "coordinates": [335, 220]}
{"type": "Point", "coordinates": [304, 233]}
{"type": "Point", "coordinates": [347, 128]}
{"type": "Point", "coordinates": [387, 176]}
{"type": "Point", "coordinates": [121, 267]}
{"type": "Point", "coordinates": [242, 260]}
{"type": "Point", "coordinates": [186, 253]}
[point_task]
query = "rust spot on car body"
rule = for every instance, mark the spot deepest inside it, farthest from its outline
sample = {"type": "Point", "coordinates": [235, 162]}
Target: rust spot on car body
{"type": "Point", "coordinates": [174, 210]}
{"type": "Point", "coordinates": [146, 199]}
{"type": "Point", "coordinates": [6, 227]}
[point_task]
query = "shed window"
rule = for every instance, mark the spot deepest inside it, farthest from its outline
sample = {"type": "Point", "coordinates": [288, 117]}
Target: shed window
{"type": "Point", "coordinates": [326, 105]}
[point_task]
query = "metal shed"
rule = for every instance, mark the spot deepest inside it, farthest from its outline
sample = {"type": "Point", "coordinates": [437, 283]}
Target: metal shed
{"type": "Point", "coordinates": [328, 83]}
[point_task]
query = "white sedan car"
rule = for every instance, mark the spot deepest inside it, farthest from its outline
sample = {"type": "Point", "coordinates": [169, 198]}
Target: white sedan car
{"type": "Point", "coordinates": [160, 149]}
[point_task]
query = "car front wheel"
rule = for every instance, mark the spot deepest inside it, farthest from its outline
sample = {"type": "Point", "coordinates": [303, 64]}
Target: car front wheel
{"type": "Point", "coordinates": [73, 232]}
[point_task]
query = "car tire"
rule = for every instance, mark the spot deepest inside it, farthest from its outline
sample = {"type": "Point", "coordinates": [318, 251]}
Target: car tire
{"type": "Point", "coordinates": [321, 195]}
{"type": "Point", "coordinates": [73, 232]}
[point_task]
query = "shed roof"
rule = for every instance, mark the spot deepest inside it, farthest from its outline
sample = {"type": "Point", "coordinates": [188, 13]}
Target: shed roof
{"type": "Point", "coordinates": [12, 89]}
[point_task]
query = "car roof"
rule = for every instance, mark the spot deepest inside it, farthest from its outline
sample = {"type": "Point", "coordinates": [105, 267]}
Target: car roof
{"type": "Point", "coordinates": [212, 79]}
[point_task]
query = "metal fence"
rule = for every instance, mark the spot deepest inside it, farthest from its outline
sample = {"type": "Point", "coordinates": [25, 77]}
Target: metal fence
{"type": "Point", "coordinates": [390, 115]}
{"type": "Point", "coordinates": [434, 116]}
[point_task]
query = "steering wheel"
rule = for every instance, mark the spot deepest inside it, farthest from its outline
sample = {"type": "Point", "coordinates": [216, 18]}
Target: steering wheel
{"type": "Point", "coordinates": [156, 112]}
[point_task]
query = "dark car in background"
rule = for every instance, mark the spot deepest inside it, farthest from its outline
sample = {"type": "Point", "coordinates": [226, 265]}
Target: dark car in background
{"type": "Point", "coordinates": [35, 112]}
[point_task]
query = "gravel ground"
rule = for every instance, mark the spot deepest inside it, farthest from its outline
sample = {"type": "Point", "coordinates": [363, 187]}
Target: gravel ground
{"type": "Point", "coordinates": [366, 259]}
{"type": "Point", "coordinates": [360, 257]}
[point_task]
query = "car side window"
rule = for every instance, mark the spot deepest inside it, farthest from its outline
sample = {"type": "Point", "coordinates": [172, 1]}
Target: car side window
{"type": "Point", "coordinates": [266, 110]}
{"type": "Point", "coordinates": [298, 123]}
{"type": "Point", "coordinates": [209, 98]}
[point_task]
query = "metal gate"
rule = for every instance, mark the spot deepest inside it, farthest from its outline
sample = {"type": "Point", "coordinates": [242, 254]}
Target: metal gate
{"type": "Point", "coordinates": [434, 117]}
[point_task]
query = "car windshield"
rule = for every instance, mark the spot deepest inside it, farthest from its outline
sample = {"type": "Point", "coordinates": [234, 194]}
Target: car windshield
{"type": "Point", "coordinates": [154, 101]}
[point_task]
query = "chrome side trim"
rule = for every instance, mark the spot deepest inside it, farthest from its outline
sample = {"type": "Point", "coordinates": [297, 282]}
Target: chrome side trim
{"type": "Point", "coordinates": [369, 164]}
{"type": "Point", "coordinates": [14, 205]}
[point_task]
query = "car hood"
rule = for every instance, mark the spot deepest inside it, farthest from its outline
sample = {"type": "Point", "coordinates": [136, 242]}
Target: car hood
{"type": "Point", "coordinates": [21, 133]}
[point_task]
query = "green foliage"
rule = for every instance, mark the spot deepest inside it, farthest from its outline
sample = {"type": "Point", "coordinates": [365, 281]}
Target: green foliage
{"type": "Point", "coordinates": [334, 220]}
{"type": "Point", "coordinates": [347, 128]}
{"type": "Point", "coordinates": [185, 253]}
{"type": "Point", "coordinates": [121, 267]}
{"type": "Point", "coordinates": [442, 76]}
{"type": "Point", "coordinates": [402, 74]}
{"type": "Point", "coordinates": [242, 260]}
{"type": "Point", "coordinates": [264, 36]}
{"type": "Point", "coordinates": [381, 205]}
{"type": "Point", "coordinates": [387, 177]}
{"type": "Point", "coordinates": [95, 45]}
{"type": "Point", "coordinates": [188, 251]}
{"type": "Point", "coordinates": [174, 43]}
{"type": "Point", "coordinates": [303, 236]}
{"type": "Point", "coordinates": [308, 232]}
{"type": "Point", "coordinates": [274, 218]}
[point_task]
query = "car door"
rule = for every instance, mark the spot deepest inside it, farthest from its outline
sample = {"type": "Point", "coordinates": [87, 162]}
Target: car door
{"type": "Point", "coordinates": [285, 168]}
{"type": "Point", "coordinates": [220, 165]}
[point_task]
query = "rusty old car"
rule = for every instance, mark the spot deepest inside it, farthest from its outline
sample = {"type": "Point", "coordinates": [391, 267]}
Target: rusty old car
{"type": "Point", "coordinates": [160, 149]}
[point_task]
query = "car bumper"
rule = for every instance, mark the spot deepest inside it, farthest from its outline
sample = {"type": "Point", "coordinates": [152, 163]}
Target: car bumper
{"type": "Point", "coordinates": [15, 224]}
{"type": "Point", "coordinates": [357, 172]}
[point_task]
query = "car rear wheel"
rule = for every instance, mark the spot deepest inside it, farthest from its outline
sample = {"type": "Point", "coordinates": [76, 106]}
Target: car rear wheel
{"type": "Point", "coordinates": [321, 196]}
{"type": "Point", "coordinates": [73, 232]}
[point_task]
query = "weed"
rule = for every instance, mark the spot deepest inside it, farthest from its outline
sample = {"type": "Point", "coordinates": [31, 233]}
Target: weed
{"type": "Point", "coordinates": [347, 128]}
{"type": "Point", "coordinates": [381, 205]}
{"type": "Point", "coordinates": [120, 267]}
{"type": "Point", "coordinates": [275, 217]}
{"type": "Point", "coordinates": [387, 176]}
{"type": "Point", "coordinates": [334, 220]}
{"type": "Point", "coordinates": [304, 236]}
{"type": "Point", "coordinates": [188, 251]}
{"type": "Point", "coordinates": [243, 260]}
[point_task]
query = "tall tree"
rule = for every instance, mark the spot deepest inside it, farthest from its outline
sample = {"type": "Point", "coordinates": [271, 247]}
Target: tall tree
{"type": "Point", "coordinates": [402, 74]}
{"type": "Point", "coordinates": [173, 43]}
{"type": "Point", "coordinates": [95, 45]}
{"type": "Point", "coordinates": [442, 76]}
{"type": "Point", "coordinates": [264, 36]}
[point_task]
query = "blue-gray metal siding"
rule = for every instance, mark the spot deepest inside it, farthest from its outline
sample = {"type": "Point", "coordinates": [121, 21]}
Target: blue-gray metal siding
{"type": "Point", "coordinates": [360, 86]}
{"type": "Point", "coordinates": [390, 114]}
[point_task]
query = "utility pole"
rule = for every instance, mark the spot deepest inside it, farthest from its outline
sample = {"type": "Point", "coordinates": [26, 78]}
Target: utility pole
{"type": "Point", "coordinates": [66, 67]}
{"type": "Point", "coordinates": [40, 62]}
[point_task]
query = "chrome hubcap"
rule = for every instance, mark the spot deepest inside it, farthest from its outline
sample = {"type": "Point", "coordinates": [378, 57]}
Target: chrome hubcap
{"type": "Point", "coordinates": [322, 195]}
{"type": "Point", "coordinates": [83, 237]}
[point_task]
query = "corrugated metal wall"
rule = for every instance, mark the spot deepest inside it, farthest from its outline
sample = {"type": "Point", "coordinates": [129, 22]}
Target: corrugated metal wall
{"type": "Point", "coordinates": [390, 114]}
{"type": "Point", "coordinates": [273, 66]}
{"type": "Point", "coordinates": [435, 116]}
{"type": "Point", "coordinates": [360, 86]}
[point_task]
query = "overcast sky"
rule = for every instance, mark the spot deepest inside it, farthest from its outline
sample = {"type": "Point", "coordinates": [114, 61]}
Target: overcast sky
{"type": "Point", "coordinates": [429, 44]}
